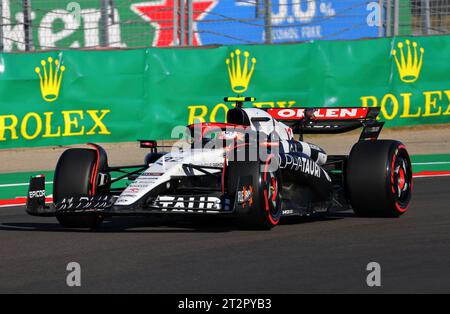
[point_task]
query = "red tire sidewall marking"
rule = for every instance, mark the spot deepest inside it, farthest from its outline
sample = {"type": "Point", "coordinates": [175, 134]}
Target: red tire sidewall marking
{"type": "Point", "coordinates": [94, 171]}
{"type": "Point", "coordinates": [223, 174]}
{"type": "Point", "coordinates": [266, 194]}
{"type": "Point", "coordinates": [399, 208]}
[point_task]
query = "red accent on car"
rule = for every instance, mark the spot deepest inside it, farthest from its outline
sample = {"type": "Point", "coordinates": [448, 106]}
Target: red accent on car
{"type": "Point", "coordinates": [401, 179]}
{"type": "Point", "coordinates": [207, 126]}
{"type": "Point", "coordinates": [94, 171]}
{"type": "Point", "coordinates": [266, 196]}
{"type": "Point", "coordinates": [274, 185]}
{"type": "Point", "coordinates": [273, 221]}
{"type": "Point", "coordinates": [322, 114]}
{"type": "Point", "coordinates": [148, 144]}
{"type": "Point", "coordinates": [266, 201]}
{"type": "Point", "coordinates": [397, 205]}
{"type": "Point", "coordinates": [223, 174]}
{"type": "Point", "coordinates": [270, 144]}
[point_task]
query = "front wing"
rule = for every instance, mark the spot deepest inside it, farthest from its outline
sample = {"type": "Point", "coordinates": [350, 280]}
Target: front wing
{"type": "Point", "coordinates": [207, 204]}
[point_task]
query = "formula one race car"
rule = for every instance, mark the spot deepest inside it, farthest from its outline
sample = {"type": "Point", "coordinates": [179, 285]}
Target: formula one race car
{"type": "Point", "coordinates": [252, 168]}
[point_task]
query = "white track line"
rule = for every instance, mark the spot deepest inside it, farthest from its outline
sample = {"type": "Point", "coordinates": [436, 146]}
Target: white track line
{"type": "Point", "coordinates": [431, 163]}
{"type": "Point", "coordinates": [25, 184]}
{"type": "Point", "coordinates": [415, 177]}
{"type": "Point", "coordinates": [416, 164]}
{"type": "Point", "coordinates": [19, 184]}
{"type": "Point", "coordinates": [432, 176]}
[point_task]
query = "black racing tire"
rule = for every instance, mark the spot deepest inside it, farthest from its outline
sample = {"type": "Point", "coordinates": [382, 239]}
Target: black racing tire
{"type": "Point", "coordinates": [73, 178]}
{"type": "Point", "coordinates": [264, 211]}
{"type": "Point", "coordinates": [152, 158]}
{"type": "Point", "coordinates": [379, 178]}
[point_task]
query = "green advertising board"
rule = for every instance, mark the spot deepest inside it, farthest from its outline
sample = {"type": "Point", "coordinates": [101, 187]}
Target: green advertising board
{"type": "Point", "coordinates": [68, 97]}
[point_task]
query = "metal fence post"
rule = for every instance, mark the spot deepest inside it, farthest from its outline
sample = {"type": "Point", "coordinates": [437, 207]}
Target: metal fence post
{"type": "Point", "coordinates": [426, 17]}
{"type": "Point", "coordinates": [175, 23]}
{"type": "Point", "coordinates": [396, 17]}
{"type": "Point", "coordinates": [258, 9]}
{"type": "Point", "coordinates": [190, 23]}
{"type": "Point", "coordinates": [183, 22]}
{"type": "Point", "coordinates": [27, 25]}
{"type": "Point", "coordinates": [388, 18]}
{"type": "Point", "coordinates": [1, 25]}
{"type": "Point", "coordinates": [104, 38]}
{"type": "Point", "coordinates": [268, 21]}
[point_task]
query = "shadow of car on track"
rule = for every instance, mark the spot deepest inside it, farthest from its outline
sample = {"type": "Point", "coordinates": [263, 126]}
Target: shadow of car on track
{"type": "Point", "coordinates": [162, 225]}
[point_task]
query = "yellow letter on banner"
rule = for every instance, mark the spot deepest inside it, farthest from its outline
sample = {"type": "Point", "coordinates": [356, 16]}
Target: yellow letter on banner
{"type": "Point", "coordinates": [431, 103]}
{"type": "Point", "coordinates": [48, 126]}
{"type": "Point", "coordinates": [24, 126]}
{"type": "Point", "coordinates": [195, 117]}
{"type": "Point", "coordinates": [98, 122]}
{"type": "Point", "coordinates": [72, 122]}
{"type": "Point", "coordinates": [407, 107]}
{"type": "Point", "coordinates": [10, 127]}
{"type": "Point", "coordinates": [447, 112]}
{"type": "Point", "coordinates": [365, 101]}
{"type": "Point", "coordinates": [395, 106]}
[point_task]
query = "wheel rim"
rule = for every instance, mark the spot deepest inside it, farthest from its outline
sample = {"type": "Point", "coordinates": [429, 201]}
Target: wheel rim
{"type": "Point", "coordinates": [272, 198]}
{"type": "Point", "coordinates": [401, 179]}
{"type": "Point", "coordinates": [273, 190]}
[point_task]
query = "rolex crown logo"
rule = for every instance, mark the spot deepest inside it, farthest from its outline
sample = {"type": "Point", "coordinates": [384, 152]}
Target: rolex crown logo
{"type": "Point", "coordinates": [409, 63]}
{"type": "Point", "coordinates": [240, 71]}
{"type": "Point", "coordinates": [50, 77]}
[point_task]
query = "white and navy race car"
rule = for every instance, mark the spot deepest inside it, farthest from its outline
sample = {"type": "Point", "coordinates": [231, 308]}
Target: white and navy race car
{"type": "Point", "coordinates": [255, 167]}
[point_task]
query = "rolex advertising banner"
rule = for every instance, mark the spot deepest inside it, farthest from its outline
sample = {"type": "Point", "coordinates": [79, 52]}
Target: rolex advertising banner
{"type": "Point", "coordinates": [68, 97]}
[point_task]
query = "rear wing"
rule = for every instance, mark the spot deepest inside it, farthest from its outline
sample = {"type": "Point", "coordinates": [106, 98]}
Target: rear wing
{"type": "Point", "coordinates": [330, 120]}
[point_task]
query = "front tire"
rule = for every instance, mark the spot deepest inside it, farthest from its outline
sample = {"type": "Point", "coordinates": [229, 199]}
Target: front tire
{"type": "Point", "coordinates": [263, 210]}
{"type": "Point", "coordinates": [379, 178]}
{"type": "Point", "coordinates": [73, 177]}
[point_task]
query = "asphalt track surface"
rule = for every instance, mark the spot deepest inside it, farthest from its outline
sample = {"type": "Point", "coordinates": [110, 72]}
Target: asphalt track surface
{"type": "Point", "coordinates": [169, 256]}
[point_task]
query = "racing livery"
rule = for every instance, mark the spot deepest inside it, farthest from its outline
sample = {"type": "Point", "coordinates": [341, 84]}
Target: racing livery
{"type": "Point", "coordinates": [256, 167]}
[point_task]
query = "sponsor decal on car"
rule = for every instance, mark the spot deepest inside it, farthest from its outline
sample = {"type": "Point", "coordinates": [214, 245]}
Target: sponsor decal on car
{"type": "Point", "coordinates": [288, 212]}
{"type": "Point", "coordinates": [128, 196]}
{"type": "Point", "coordinates": [152, 174]}
{"type": "Point", "coordinates": [183, 203]}
{"type": "Point", "coordinates": [85, 203]}
{"type": "Point", "coordinates": [138, 185]}
{"type": "Point", "coordinates": [305, 165]}
{"type": "Point", "coordinates": [245, 196]}
{"type": "Point", "coordinates": [36, 194]}
{"type": "Point", "coordinates": [319, 114]}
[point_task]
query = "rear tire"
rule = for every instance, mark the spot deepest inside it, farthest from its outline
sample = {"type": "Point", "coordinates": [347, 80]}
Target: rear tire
{"type": "Point", "coordinates": [379, 179]}
{"type": "Point", "coordinates": [73, 176]}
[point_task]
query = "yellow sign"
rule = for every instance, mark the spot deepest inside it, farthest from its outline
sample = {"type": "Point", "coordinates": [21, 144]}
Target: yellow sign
{"type": "Point", "coordinates": [50, 79]}
{"type": "Point", "coordinates": [66, 123]}
{"type": "Point", "coordinates": [240, 77]}
{"type": "Point", "coordinates": [409, 63]}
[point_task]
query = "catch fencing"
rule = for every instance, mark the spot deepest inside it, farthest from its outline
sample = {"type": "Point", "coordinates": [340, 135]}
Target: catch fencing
{"type": "Point", "coordinates": [30, 25]}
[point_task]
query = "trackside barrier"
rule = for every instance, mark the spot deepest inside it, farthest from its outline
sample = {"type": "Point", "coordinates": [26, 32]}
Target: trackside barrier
{"type": "Point", "coordinates": [71, 97]}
